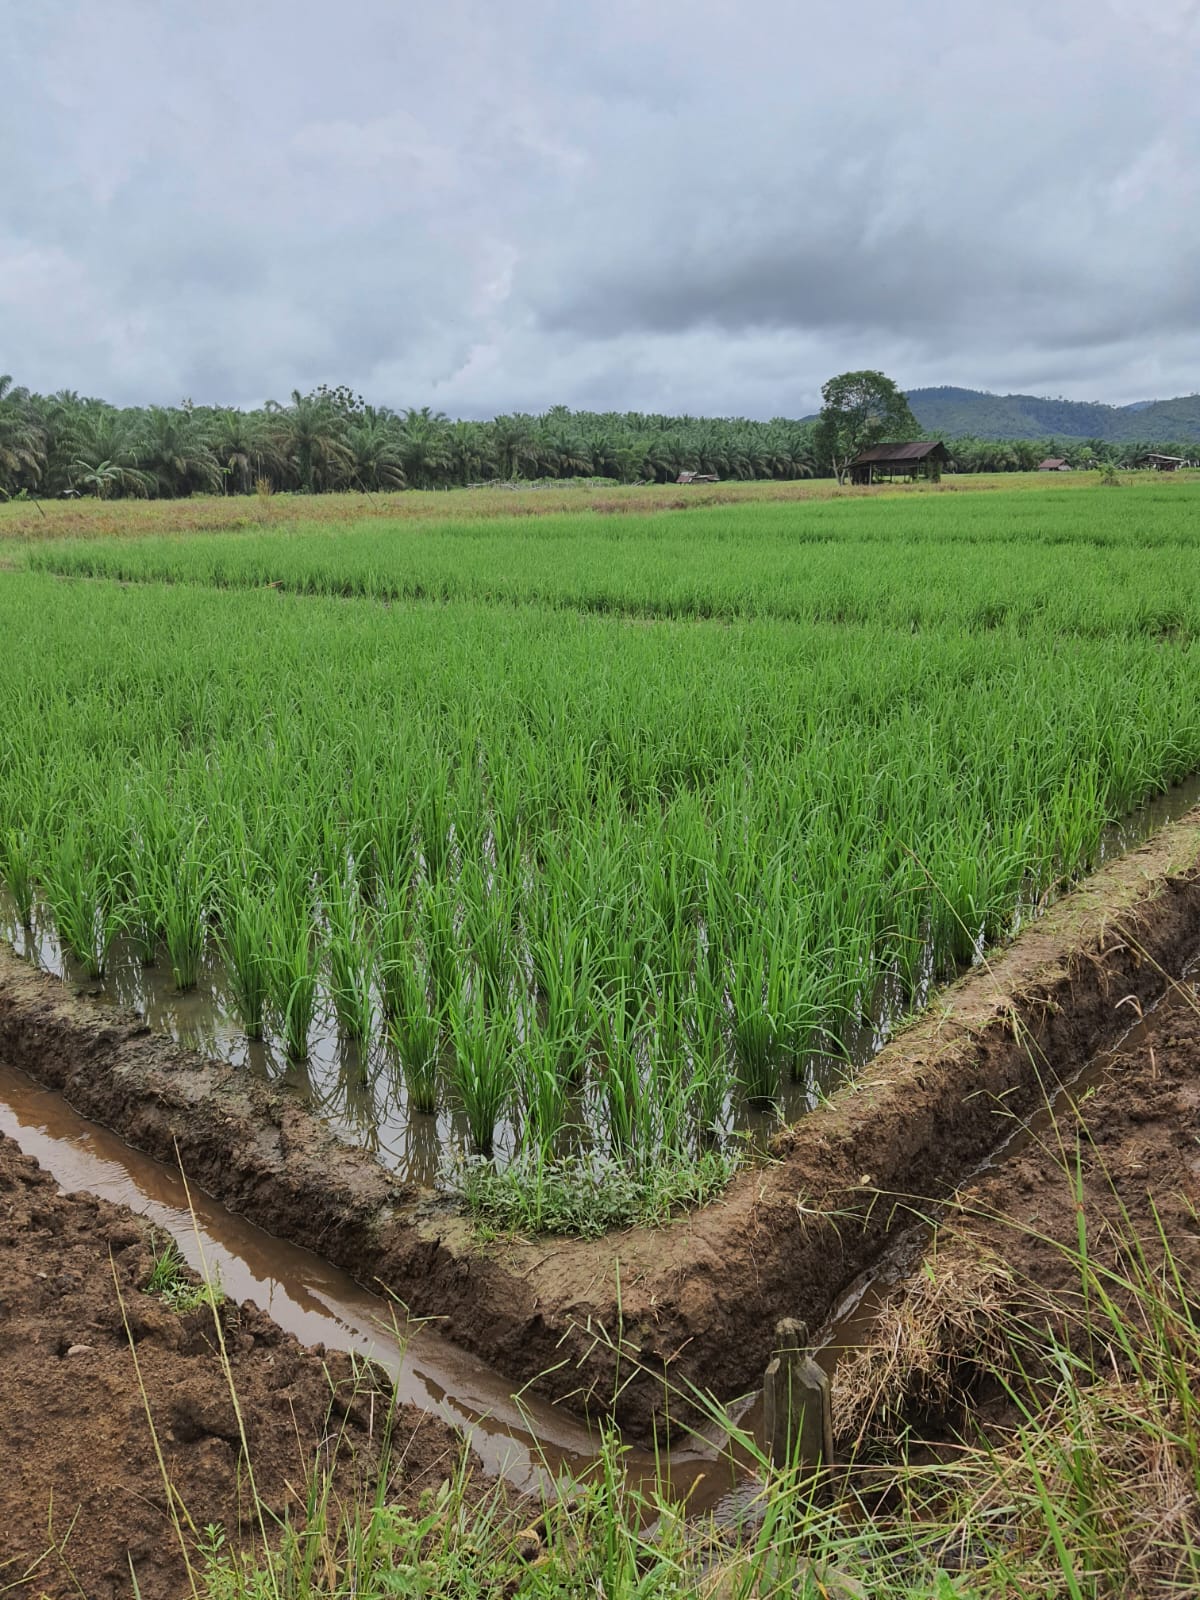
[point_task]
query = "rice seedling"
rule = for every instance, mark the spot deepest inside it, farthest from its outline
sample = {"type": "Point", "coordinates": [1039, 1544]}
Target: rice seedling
{"type": "Point", "coordinates": [415, 1030]}
{"type": "Point", "coordinates": [247, 927]}
{"type": "Point", "coordinates": [181, 895]}
{"type": "Point", "coordinates": [351, 960]}
{"type": "Point", "coordinates": [16, 871]}
{"type": "Point", "coordinates": [79, 887]}
{"type": "Point", "coordinates": [294, 969]}
{"type": "Point", "coordinates": [482, 1073]}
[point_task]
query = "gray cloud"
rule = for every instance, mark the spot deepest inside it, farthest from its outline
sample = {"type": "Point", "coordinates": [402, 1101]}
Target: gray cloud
{"type": "Point", "coordinates": [695, 207]}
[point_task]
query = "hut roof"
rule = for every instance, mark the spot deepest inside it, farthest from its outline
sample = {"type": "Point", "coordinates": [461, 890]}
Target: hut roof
{"type": "Point", "coordinates": [913, 450]}
{"type": "Point", "coordinates": [1052, 464]}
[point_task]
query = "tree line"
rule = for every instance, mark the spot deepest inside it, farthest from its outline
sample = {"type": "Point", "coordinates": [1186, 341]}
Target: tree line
{"type": "Point", "coordinates": [331, 439]}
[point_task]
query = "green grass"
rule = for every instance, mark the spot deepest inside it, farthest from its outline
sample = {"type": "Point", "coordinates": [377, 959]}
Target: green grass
{"type": "Point", "coordinates": [175, 1285]}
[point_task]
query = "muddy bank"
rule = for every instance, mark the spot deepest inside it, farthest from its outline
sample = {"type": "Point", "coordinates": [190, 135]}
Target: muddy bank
{"type": "Point", "coordinates": [695, 1301]}
{"type": "Point", "coordinates": [1118, 1166]}
{"type": "Point", "coordinates": [84, 1351]}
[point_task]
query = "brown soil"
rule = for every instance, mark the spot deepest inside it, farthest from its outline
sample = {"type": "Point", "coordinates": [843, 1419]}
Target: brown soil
{"type": "Point", "coordinates": [696, 1301]}
{"type": "Point", "coordinates": [84, 1352]}
{"type": "Point", "coordinates": [1120, 1153]}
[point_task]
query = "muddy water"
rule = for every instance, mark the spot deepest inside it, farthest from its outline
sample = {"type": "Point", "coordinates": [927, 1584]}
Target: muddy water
{"type": "Point", "coordinates": [527, 1440]}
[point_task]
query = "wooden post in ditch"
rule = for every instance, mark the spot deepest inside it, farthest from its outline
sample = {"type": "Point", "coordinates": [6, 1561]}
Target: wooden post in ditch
{"type": "Point", "coordinates": [799, 1420]}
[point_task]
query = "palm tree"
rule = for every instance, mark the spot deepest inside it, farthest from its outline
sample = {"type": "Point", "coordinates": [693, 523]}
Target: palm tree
{"type": "Point", "coordinates": [563, 451]}
{"type": "Point", "coordinates": [516, 443]}
{"type": "Point", "coordinates": [472, 451]}
{"type": "Point", "coordinates": [424, 446]}
{"type": "Point", "coordinates": [107, 453]}
{"type": "Point", "coordinates": [175, 453]}
{"type": "Point", "coordinates": [309, 435]}
{"type": "Point", "coordinates": [244, 448]}
{"type": "Point", "coordinates": [104, 478]}
{"type": "Point", "coordinates": [374, 453]}
{"type": "Point", "coordinates": [22, 443]}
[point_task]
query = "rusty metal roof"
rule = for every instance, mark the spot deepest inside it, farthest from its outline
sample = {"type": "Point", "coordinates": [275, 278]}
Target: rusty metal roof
{"type": "Point", "coordinates": [915, 450]}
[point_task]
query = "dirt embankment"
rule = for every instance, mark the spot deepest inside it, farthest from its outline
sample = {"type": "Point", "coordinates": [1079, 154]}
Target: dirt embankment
{"type": "Point", "coordinates": [695, 1301]}
{"type": "Point", "coordinates": [1091, 1222]}
{"type": "Point", "coordinates": [87, 1358]}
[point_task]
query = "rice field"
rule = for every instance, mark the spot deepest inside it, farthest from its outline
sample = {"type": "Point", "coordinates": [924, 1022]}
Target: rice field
{"type": "Point", "coordinates": [587, 841]}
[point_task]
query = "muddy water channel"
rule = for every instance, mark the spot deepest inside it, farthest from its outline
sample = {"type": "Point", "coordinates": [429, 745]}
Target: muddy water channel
{"type": "Point", "coordinates": [522, 1438]}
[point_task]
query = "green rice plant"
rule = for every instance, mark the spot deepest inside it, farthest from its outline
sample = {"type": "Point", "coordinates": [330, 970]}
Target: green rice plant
{"type": "Point", "coordinates": [756, 1044]}
{"type": "Point", "coordinates": [245, 942]}
{"type": "Point", "coordinates": [541, 1086]}
{"type": "Point", "coordinates": [294, 970]}
{"type": "Point", "coordinates": [392, 926]}
{"type": "Point", "coordinates": [438, 936]}
{"type": "Point", "coordinates": [182, 888]}
{"type": "Point", "coordinates": [626, 1093]}
{"type": "Point", "coordinates": [435, 825]}
{"type": "Point", "coordinates": [79, 889]}
{"type": "Point", "coordinates": [351, 960]}
{"type": "Point", "coordinates": [712, 1077]}
{"type": "Point", "coordinates": [487, 930]}
{"type": "Point", "coordinates": [16, 871]}
{"type": "Point", "coordinates": [415, 1030]}
{"type": "Point", "coordinates": [483, 1072]}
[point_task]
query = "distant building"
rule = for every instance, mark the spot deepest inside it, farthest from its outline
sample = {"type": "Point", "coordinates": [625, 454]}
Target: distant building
{"type": "Point", "coordinates": [1054, 464]}
{"type": "Point", "coordinates": [697, 477]}
{"type": "Point", "coordinates": [920, 458]}
{"type": "Point", "coordinates": [1160, 463]}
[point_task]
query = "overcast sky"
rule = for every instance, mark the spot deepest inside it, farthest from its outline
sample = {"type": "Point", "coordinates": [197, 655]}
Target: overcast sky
{"type": "Point", "coordinates": [491, 205]}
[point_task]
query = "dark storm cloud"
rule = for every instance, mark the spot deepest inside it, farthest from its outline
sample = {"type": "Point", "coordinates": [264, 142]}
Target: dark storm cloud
{"type": "Point", "coordinates": [696, 207]}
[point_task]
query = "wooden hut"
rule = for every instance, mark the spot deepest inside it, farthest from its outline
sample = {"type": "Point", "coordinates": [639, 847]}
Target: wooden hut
{"type": "Point", "coordinates": [1160, 463]}
{"type": "Point", "coordinates": [919, 458]}
{"type": "Point", "coordinates": [1054, 464]}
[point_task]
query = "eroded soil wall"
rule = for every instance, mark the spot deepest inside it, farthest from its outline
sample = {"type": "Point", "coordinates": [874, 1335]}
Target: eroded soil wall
{"type": "Point", "coordinates": [695, 1301]}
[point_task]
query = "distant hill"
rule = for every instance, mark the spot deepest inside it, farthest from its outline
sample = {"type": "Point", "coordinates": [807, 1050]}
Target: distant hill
{"type": "Point", "coordinates": [950, 413]}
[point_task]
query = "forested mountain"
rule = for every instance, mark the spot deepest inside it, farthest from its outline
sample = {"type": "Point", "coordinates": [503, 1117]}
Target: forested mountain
{"type": "Point", "coordinates": [949, 413]}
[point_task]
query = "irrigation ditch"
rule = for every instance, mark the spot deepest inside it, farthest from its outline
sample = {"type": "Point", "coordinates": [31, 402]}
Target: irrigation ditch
{"type": "Point", "coordinates": [623, 1327]}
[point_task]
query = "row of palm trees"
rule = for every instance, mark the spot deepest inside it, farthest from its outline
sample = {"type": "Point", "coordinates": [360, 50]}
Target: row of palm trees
{"type": "Point", "coordinates": [331, 439]}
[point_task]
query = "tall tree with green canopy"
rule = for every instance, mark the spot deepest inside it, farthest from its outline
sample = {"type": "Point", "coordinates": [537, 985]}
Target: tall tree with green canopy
{"type": "Point", "coordinates": [861, 409]}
